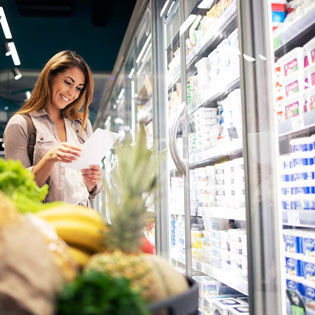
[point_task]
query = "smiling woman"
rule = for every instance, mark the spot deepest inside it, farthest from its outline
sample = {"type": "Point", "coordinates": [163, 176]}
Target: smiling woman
{"type": "Point", "coordinates": [58, 111]}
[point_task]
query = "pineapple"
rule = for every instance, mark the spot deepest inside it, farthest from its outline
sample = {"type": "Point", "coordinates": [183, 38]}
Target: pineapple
{"type": "Point", "coordinates": [135, 179]}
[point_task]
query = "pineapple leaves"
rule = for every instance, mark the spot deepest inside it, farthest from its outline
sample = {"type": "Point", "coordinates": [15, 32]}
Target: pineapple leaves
{"type": "Point", "coordinates": [134, 181]}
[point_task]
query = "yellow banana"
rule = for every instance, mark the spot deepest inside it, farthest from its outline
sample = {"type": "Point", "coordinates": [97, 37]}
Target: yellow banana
{"type": "Point", "coordinates": [81, 233]}
{"type": "Point", "coordinates": [72, 212]}
{"type": "Point", "coordinates": [79, 255]}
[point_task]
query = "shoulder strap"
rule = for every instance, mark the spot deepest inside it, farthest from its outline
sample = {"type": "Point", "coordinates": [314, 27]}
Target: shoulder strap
{"type": "Point", "coordinates": [31, 132]}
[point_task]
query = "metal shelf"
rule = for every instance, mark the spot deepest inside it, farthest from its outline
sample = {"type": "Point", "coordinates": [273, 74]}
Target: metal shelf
{"type": "Point", "coordinates": [219, 93]}
{"type": "Point", "coordinates": [299, 218]}
{"type": "Point", "coordinates": [212, 155]}
{"type": "Point", "coordinates": [223, 213]}
{"type": "Point", "coordinates": [297, 125]}
{"type": "Point", "coordinates": [228, 277]}
{"type": "Point", "coordinates": [295, 33]}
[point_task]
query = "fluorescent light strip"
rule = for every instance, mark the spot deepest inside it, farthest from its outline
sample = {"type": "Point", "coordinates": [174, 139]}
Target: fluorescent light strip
{"type": "Point", "coordinates": [144, 59]}
{"type": "Point", "coordinates": [131, 73]}
{"type": "Point", "coordinates": [143, 49]}
{"type": "Point", "coordinates": [191, 18]}
{"type": "Point", "coordinates": [28, 94]}
{"type": "Point", "coordinates": [14, 54]}
{"type": "Point", "coordinates": [4, 24]}
{"type": "Point", "coordinates": [171, 7]}
{"type": "Point", "coordinates": [164, 7]}
{"type": "Point", "coordinates": [121, 94]}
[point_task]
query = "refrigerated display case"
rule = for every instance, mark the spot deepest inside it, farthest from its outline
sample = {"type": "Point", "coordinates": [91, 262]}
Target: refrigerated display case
{"type": "Point", "coordinates": [294, 95]}
{"type": "Point", "coordinates": [202, 81]}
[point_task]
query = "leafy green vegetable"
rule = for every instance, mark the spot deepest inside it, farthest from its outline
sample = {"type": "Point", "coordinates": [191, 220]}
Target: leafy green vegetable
{"type": "Point", "coordinates": [94, 293]}
{"type": "Point", "coordinates": [19, 185]}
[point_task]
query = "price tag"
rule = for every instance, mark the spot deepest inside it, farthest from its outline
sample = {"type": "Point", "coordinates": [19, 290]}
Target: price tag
{"type": "Point", "coordinates": [293, 217]}
{"type": "Point", "coordinates": [297, 122]}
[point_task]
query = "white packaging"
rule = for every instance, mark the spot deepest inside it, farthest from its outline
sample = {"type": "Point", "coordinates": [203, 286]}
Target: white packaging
{"type": "Point", "coordinates": [310, 99]}
{"type": "Point", "coordinates": [292, 62]}
{"type": "Point", "coordinates": [309, 50]}
{"type": "Point", "coordinates": [238, 310]}
{"type": "Point", "coordinates": [221, 306]}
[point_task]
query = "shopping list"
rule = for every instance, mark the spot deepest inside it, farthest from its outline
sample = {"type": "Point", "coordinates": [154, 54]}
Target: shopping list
{"type": "Point", "coordinates": [94, 149]}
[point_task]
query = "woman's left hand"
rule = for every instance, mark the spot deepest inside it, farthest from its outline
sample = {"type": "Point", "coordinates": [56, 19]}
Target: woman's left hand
{"type": "Point", "coordinates": [91, 176]}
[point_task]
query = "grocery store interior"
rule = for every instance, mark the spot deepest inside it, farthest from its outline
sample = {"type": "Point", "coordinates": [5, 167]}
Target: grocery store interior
{"type": "Point", "coordinates": [225, 91]}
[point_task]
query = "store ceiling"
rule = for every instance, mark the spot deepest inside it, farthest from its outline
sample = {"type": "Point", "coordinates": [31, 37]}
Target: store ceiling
{"type": "Point", "coordinates": [41, 28]}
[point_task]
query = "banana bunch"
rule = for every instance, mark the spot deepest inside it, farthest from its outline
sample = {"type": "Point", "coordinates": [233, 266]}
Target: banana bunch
{"type": "Point", "coordinates": [81, 228]}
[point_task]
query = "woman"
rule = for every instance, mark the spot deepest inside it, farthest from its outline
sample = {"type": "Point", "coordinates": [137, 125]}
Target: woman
{"type": "Point", "coordinates": [63, 88]}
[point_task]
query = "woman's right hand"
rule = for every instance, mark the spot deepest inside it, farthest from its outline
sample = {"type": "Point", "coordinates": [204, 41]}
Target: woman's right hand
{"type": "Point", "coordinates": [64, 152]}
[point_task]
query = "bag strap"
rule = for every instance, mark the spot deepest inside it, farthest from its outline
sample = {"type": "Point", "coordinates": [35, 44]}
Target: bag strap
{"type": "Point", "coordinates": [31, 132]}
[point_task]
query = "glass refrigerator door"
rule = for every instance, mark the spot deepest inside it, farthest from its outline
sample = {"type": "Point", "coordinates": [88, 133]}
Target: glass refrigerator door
{"type": "Point", "coordinates": [216, 167]}
{"type": "Point", "coordinates": [174, 137]}
{"type": "Point", "coordinates": [293, 27]}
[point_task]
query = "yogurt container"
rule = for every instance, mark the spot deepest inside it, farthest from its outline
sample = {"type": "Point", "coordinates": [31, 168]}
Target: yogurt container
{"type": "Point", "coordinates": [309, 50]}
{"type": "Point", "coordinates": [302, 144]}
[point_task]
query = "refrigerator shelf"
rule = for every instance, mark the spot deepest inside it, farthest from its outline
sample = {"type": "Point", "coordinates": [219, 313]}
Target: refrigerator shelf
{"type": "Point", "coordinates": [299, 29]}
{"type": "Point", "coordinates": [300, 218]}
{"type": "Point", "coordinates": [218, 94]}
{"type": "Point", "coordinates": [224, 26]}
{"type": "Point", "coordinates": [298, 124]}
{"type": "Point", "coordinates": [223, 213]}
{"type": "Point", "coordinates": [212, 155]}
{"type": "Point", "coordinates": [228, 277]}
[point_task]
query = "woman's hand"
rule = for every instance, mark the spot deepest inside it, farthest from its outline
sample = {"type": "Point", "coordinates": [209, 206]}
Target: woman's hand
{"type": "Point", "coordinates": [91, 176]}
{"type": "Point", "coordinates": [64, 152]}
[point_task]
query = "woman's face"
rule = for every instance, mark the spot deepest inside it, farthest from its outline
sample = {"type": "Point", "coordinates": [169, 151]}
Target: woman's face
{"type": "Point", "coordinates": [66, 87]}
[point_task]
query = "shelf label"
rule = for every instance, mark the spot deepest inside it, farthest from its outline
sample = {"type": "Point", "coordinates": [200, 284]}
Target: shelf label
{"type": "Point", "coordinates": [293, 217]}
{"type": "Point", "coordinates": [297, 122]}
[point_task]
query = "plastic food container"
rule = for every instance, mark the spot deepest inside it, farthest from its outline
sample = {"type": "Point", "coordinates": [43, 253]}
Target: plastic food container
{"type": "Point", "coordinates": [309, 49]}
{"type": "Point", "coordinates": [303, 158]}
{"type": "Point", "coordinates": [310, 99]}
{"type": "Point", "coordinates": [292, 62]}
{"type": "Point", "coordinates": [302, 144]}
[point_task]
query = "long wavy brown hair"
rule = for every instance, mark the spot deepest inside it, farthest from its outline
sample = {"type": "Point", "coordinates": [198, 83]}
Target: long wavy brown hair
{"type": "Point", "coordinates": [41, 94]}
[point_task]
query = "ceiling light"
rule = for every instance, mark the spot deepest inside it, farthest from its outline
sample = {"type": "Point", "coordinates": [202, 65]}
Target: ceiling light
{"type": "Point", "coordinates": [131, 73]}
{"type": "Point", "coordinates": [28, 95]}
{"type": "Point", "coordinates": [13, 53]}
{"type": "Point", "coordinates": [7, 49]}
{"type": "Point", "coordinates": [17, 73]}
{"type": "Point", "coordinates": [5, 25]}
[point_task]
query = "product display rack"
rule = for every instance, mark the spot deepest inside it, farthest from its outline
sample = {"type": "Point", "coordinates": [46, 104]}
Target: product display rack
{"type": "Point", "coordinates": [211, 124]}
{"type": "Point", "coordinates": [298, 220]}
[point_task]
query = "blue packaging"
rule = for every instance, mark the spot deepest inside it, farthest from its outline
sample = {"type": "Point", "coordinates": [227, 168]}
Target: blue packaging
{"type": "Point", "coordinates": [288, 177]}
{"type": "Point", "coordinates": [308, 246]}
{"type": "Point", "coordinates": [288, 205]}
{"type": "Point", "coordinates": [304, 176]}
{"type": "Point", "coordinates": [302, 161]}
{"type": "Point", "coordinates": [278, 17]}
{"type": "Point", "coordinates": [309, 297]}
{"type": "Point", "coordinates": [304, 190]}
{"type": "Point", "coordinates": [293, 267]}
{"type": "Point", "coordinates": [288, 191]}
{"type": "Point", "coordinates": [305, 204]}
{"type": "Point", "coordinates": [292, 285]}
{"type": "Point", "coordinates": [308, 270]}
{"type": "Point", "coordinates": [293, 244]}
